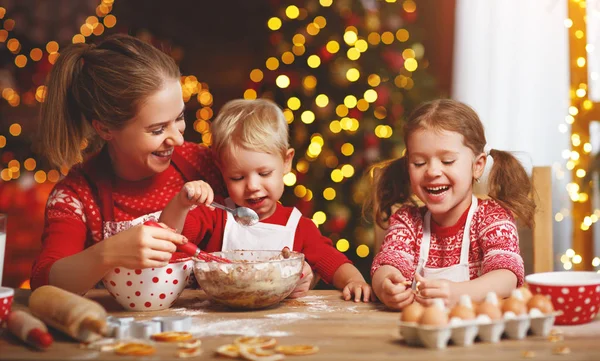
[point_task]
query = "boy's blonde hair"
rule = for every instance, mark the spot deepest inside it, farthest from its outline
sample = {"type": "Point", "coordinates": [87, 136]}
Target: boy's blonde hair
{"type": "Point", "coordinates": [257, 125]}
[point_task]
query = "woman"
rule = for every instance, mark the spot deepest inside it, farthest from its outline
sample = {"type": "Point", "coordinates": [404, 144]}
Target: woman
{"type": "Point", "coordinates": [127, 94]}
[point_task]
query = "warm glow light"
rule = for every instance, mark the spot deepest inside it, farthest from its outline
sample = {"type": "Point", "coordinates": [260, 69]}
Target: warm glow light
{"type": "Point", "coordinates": [322, 100]}
{"type": "Point", "coordinates": [287, 57]}
{"type": "Point", "coordinates": [274, 23]}
{"type": "Point", "coordinates": [352, 74]}
{"type": "Point", "coordinates": [292, 12]}
{"type": "Point", "coordinates": [374, 80]}
{"type": "Point", "coordinates": [313, 61]}
{"type": "Point", "coordinates": [272, 63]}
{"type": "Point", "coordinates": [370, 95]}
{"type": "Point", "coordinates": [250, 94]}
{"type": "Point", "coordinates": [289, 179]}
{"type": "Point", "coordinates": [307, 117]}
{"type": "Point", "coordinates": [332, 46]}
{"type": "Point", "coordinates": [347, 149]}
{"type": "Point", "coordinates": [110, 21]}
{"type": "Point", "coordinates": [294, 103]}
{"type": "Point", "coordinates": [387, 38]}
{"type": "Point", "coordinates": [15, 129]}
{"type": "Point", "coordinates": [362, 251]}
{"type": "Point", "coordinates": [329, 193]}
{"type": "Point", "coordinates": [282, 81]}
{"type": "Point", "coordinates": [342, 245]}
{"type": "Point", "coordinates": [402, 35]}
{"type": "Point", "coordinates": [350, 37]}
{"type": "Point", "coordinates": [256, 75]}
{"type": "Point", "coordinates": [309, 82]}
{"type": "Point", "coordinates": [319, 217]}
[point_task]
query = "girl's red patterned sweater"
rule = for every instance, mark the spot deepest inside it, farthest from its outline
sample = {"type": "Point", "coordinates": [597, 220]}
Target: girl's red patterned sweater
{"type": "Point", "coordinates": [494, 242]}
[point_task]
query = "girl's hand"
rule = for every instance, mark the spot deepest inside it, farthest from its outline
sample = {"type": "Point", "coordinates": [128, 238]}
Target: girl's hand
{"type": "Point", "coordinates": [304, 283]}
{"type": "Point", "coordinates": [358, 289]}
{"type": "Point", "coordinates": [196, 192]}
{"type": "Point", "coordinates": [430, 289]}
{"type": "Point", "coordinates": [141, 246]}
{"type": "Point", "coordinates": [394, 293]}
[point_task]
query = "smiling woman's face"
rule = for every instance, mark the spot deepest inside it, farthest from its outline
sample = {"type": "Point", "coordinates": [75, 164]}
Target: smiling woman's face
{"type": "Point", "coordinates": [145, 145]}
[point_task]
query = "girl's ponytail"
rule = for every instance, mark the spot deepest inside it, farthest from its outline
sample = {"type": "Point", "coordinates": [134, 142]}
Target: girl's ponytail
{"type": "Point", "coordinates": [391, 185]}
{"type": "Point", "coordinates": [510, 185]}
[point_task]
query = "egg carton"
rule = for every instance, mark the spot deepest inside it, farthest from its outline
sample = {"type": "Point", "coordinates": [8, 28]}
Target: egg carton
{"type": "Point", "coordinates": [127, 327]}
{"type": "Point", "coordinates": [465, 333]}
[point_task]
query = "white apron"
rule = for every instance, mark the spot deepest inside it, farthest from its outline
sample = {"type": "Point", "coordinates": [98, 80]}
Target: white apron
{"type": "Point", "coordinates": [455, 273]}
{"type": "Point", "coordinates": [261, 236]}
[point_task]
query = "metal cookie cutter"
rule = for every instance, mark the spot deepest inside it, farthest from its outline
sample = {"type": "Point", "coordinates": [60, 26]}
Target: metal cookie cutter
{"type": "Point", "coordinates": [175, 323]}
{"type": "Point", "coordinates": [119, 327]}
{"type": "Point", "coordinates": [144, 329]}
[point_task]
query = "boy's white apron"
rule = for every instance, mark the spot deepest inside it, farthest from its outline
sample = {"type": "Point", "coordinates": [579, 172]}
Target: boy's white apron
{"type": "Point", "coordinates": [261, 236]}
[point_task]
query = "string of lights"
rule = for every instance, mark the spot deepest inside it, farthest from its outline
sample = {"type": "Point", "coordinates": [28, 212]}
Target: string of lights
{"type": "Point", "coordinates": [581, 112]}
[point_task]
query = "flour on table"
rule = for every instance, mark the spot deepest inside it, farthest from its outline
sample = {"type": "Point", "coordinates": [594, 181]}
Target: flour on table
{"type": "Point", "coordinates": [291, 316]}
{"type": "Point", "coordinates": [187, 312]}
{"type": "Point", "coordinates": [246, 327]}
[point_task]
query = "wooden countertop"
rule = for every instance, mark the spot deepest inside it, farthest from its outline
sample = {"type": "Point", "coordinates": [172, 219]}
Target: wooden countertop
{"type": "Point", "coordinates": [342, 330]}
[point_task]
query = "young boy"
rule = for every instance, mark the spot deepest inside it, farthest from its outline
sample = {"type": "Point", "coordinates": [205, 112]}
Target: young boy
{"type": "Point", "coordinates": [251, 148]}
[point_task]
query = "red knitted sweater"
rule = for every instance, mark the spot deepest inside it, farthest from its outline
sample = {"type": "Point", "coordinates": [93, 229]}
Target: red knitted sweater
{"type": "Point", "coordinates": [494, 242]}
{"type": "Point", "coordinates": [73, 218]}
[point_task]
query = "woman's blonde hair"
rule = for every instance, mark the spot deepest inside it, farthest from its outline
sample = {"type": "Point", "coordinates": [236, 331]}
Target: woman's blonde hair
{"type": "Point", "coordinates": [258, 125]}
{"type": "Point", "coordinates": [108, 83]}
{"type": "Point", "coordinates": [508, 182]}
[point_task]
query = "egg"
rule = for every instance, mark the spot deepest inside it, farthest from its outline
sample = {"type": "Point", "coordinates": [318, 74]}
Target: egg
{"type": "Point", "coordinates": [412, 313]}
{"type": "Point", "coordinates": [464, 309]}
{"type": "Point", "coordinates": [490, 310]}
{"type": "Point", "coordinates": [542, 303]}
{"type": "Point", "coordinates": [514, 305]}
{"type": "Point", "coordinates": [462, 312]}
{"type": "Point", "coordinates": [526, 293]}
{"type": "Point", "coordinates": [435, 315]}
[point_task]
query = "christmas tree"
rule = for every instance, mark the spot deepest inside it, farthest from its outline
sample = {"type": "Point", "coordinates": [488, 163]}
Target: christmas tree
{"type": "Point", "coordinates": [346, 72]}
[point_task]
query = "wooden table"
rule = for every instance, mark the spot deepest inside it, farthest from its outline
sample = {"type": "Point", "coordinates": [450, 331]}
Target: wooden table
{"type": "Point", "coordinates": [342, 330]}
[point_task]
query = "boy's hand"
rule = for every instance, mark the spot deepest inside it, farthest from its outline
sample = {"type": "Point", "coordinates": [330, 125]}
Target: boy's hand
{"type": "Point", "coordinates": [358, 289]}
{"type": "Point", "coordinates": [304, 284]}
{"type": "Point", "coordinates": [394, 293]}
{"type": "Point", "coordinates": [196, 192]}
{"type": "Point", "coordinates": [430, 289]}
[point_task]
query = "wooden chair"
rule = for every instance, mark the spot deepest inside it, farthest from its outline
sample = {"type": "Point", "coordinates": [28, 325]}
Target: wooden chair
{"type": "Point", "coordinates": [536, 244]}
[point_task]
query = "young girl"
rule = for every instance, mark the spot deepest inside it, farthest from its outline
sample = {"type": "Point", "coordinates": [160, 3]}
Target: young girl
{"type": "Point", "coordinates": [250, 143]}
{"type": "Point", "coordinates": [126, 93]}
{"type": "Point", "coordinates": [455, 244]}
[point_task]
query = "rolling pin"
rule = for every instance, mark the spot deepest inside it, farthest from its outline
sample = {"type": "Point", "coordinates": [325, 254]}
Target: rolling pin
{"type": "Point", "coordinates": [29, 329]}
{"type": "Point", "coordinates": [76, 316]}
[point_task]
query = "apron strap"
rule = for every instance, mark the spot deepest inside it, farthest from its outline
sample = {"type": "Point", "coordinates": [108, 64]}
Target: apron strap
{"type": "Point", "coordinates": [294, 218]}
{"type": "Point", "coordinates": [466, 241]}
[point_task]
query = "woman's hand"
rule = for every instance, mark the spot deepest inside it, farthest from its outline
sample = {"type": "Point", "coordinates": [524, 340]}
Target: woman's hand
{"type": "Point", "coordinates": [358, 289]}
{"type": "Point", "coordinates": [304, 283]}
{"type": "Point", "coordinates": [439, 288]}
{"type": "Point", "coordinates": [141, 246]}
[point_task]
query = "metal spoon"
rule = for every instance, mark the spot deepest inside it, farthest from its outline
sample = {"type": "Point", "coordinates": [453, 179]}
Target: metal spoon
{"type": "Point", "coordinates": [242, 215]}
